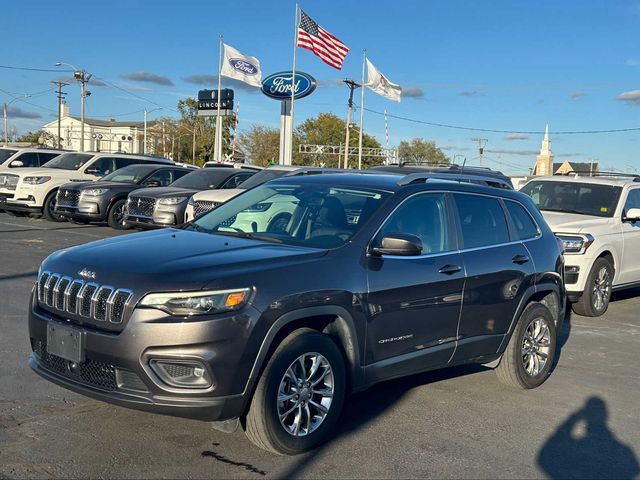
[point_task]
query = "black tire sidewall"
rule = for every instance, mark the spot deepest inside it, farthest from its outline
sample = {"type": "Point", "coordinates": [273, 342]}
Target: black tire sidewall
{"type": "Point", "coordinates": [278, 218]}
{"type": "Point", "coordinates": [588, 293]}
{"type": "Point", "coordinates": [304, 343]}
{"type": "Point", "coordinates": [110, 216]}
{"type": "Point", "coordinates": [46, 209]}
{"type": "Point", "coordinates": [530, 313]}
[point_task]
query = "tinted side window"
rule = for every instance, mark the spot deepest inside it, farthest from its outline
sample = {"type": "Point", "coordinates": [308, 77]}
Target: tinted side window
{"type": "Point", "coordinates": [424, 216]}
{"type": "Point", "coordinates": [45, 157]}
{"type": "Point", "coordinates": [104, 166]}
{"type": "Point", "coordinates": [482, 221]}
{"type": "Point", "coordinates": [179, 173]}
{"type": "Point", "coordinates": [125, 162]}
{"type": "Point", "coordinates": [522, 221]}
{"type": "Point", "coordinates": [161, 178]}
{"type": "Point", "coordinates": [29, 159]}
{"type": "Point", "coordinates": [633, 200]}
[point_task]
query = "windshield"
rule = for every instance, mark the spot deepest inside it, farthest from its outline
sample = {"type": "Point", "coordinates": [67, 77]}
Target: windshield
{"type": "Point", "coordinates": [574, 197]}
{"type": "Point", "coordinates": [203, 179]}
{"type": "Point", "coordinates": [133, 174]}
{"type": "Point", "coordinates": [68, 161]}
{"type": "Point", "coordinates": [304, 214]}
{"type": "Point", "coordinates": [263, 177]}
{"type": "Point", "coordinates": [5, 153]}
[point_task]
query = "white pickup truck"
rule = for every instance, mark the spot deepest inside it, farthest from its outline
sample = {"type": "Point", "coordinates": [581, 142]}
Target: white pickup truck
{"type": "Point", "coordinates": [33, 190]}
{"type": "Point", "coordinates": [598, 220]}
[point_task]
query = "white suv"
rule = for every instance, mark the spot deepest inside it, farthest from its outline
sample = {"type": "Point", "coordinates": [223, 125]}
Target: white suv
{"type": "Point", "coordinates": [16, 157]}
{"type": "Point", "coordinates": [598, 220]}
{"type": "Point", "coordinates": [34, 190]}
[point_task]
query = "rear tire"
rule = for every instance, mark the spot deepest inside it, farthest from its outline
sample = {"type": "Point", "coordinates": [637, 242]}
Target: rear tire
{"type": "Point", "coordinates": [527, 360]}
{"type": "Point", "coordinates": [312, 390]}
{"type": "Point", "coordinates": [115, 217]}
{"type": "Point", "coordinates": [48, 209]}
{"type": "Point", "coordinates": [594, 301]}
{"type": "Point", "coordinates": [279, 223]}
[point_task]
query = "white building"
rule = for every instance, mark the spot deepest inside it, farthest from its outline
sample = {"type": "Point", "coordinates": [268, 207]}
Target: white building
{"type": "Point", "coordinates": [99, 135]}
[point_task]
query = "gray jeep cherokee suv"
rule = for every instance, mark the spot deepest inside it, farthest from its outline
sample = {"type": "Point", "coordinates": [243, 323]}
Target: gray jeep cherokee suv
{"type": "Point", "coordinates": [374, 277]}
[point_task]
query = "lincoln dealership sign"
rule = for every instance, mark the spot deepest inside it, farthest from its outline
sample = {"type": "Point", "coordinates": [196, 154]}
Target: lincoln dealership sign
{"type": "Point", "coordinates": [279, 85]}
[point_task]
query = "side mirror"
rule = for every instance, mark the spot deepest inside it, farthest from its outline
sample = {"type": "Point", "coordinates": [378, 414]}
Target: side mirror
{"type": "Point", "coordinates": [92, 171]}
{"type": "Point", "coordinates": [16, 163]}
{"type": "Point", "coordinates": [152, 183]}
{"type": "Point", "coordinates": [399, 244]}
{"type": "Point", "coordinates": [632, 215]}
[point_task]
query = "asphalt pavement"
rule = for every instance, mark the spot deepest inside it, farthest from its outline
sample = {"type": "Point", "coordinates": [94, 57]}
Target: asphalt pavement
{"type": "Point", "coordinates": [584, 422]}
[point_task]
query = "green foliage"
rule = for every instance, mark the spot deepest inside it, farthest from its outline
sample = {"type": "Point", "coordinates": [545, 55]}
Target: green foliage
{"type": "Point", "coordinates": [419, 150]}
{"type": "Point", "coordinates": [261, 145]}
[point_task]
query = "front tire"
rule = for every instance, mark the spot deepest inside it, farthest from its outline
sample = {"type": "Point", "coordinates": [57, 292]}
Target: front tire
{"type": "Point", "coordinates": [594, 301]}
{"type": "Point", "coordinates": [48, 209]}
{"type": "Point", "coordinates": [299, 396]}
{"type": "Point", "coordinates": [527, 360]}
{"type": "Point", "coordinates": [115, 217]}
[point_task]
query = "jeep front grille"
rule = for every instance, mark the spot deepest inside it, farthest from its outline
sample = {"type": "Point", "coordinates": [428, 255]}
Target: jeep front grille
{"type": "Point", "coordinates": [67, 198]}
{"type": "Point", "coordinates": [141, 206]}
{"type": "Point", "coordinates": [203, 206]}
{"type": "Point", "coordinates": [101, 303]}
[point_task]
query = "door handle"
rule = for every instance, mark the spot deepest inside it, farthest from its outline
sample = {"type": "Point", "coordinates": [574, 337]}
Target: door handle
{"type": "Point", "coordinates": [520, 259]}
{"type": "Point", "coordinates": [450, 269]}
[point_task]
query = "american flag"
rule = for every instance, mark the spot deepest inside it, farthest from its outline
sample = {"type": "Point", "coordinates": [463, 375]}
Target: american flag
{"type": "Point", "coordinates": [315, 38]}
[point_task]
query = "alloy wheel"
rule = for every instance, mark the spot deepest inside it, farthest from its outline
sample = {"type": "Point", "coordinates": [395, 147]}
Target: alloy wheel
{"type": "Point", "coordinates": [536, 346]}
{"type": "Point", "coordinates": [601, 289]}
{"type": "Point", "coordinates": [305, 394]}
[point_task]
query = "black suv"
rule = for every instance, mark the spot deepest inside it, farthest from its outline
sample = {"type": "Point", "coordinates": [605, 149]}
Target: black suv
{"type": "Point", "coordinates": [104, 200]}
{"type": "Point", "coordinates": [374, 277]}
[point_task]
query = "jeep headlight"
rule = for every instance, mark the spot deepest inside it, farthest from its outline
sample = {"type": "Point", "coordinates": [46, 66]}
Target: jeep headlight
{"type": "Point", "coordinates": [171, 200]}
{"type": "Point", "coordinates": [575, 243]}
{"type": "Point", "coordinates": [36, 180]}
{"type": "Point", "coordinates": [197, 303]}
{"type": "Point", "coordinates": [95, 192]}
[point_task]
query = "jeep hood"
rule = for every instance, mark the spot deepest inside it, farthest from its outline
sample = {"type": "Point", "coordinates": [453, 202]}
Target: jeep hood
{"type": "Point", "coordinates": [173, 259]}
{"type": "Point", "coordinates": [561, 222]}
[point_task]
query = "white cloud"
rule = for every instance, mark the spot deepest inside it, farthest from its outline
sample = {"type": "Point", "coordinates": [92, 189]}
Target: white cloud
{"type": "Point", "coordinates": [516, 136]}
{"type": "Point", "coordinates": [631, 97]}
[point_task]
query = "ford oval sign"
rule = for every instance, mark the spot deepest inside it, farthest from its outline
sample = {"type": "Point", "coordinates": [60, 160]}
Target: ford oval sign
{"type": "Point", "coordinates": [279, 85]}
{"type": "Point", "coordinates": [242, 66]}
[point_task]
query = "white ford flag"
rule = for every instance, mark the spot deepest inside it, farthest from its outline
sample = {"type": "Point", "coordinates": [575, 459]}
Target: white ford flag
{"type": "Point", "coordinates": [241, 67]}
{"type": "Point", "coordinates": [381, 84]}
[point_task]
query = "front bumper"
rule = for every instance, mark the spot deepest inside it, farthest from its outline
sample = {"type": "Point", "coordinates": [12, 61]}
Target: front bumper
{"type": "Point", "coordinates": [160, 219]}
{"type": "Point", "coordinates": [117, 364]}
{"type": "Point", "coordinates": [13, 206]}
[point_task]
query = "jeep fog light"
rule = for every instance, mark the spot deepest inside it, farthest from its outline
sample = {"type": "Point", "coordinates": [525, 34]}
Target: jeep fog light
{"type": "Point", "coordinates": [182, 373]}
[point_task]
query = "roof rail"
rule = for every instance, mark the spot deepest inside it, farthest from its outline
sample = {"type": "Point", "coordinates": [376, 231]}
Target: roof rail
{"type": "Point", "coordinates": [489, 181]}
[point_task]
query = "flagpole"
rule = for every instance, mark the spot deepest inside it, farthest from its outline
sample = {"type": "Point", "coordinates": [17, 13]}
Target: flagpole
{"type": "Point", "coordinates": [289, 155]}
{"type": "Point", "coordinates": [364, 61]}
{"type": "Point", "coordinates": [218, 140]}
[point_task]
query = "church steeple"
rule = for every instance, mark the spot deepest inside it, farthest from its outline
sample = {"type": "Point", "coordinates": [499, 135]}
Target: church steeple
{"type": "Point", "coordinates": [544, 161]}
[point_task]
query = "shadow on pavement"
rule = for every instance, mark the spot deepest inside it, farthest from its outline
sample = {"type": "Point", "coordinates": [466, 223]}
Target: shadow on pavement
{"type": "Point", "coordinates": [364, 407]}
{"type": "Point", "coordinates": [584, 447]}
{"type": "Point", "coordinates": [625, 294]}
{"type": "Point", "coordinates": [4, 278]}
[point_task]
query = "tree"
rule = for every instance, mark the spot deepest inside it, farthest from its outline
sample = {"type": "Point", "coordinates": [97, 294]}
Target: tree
{"type": "Point", "coordinates": [329, 129]}
{"type": "Point", "coordinates": [38, 137]}
{"type": "Point", "coordinates": [261, 145]}
{"type": "Point", "coordinates": [419, 150]}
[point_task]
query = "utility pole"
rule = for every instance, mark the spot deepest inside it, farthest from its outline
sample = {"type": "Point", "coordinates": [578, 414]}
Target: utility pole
{"type": "Point", "coordinates": [481, 144]}
{"type": "Point", "coordinates": [60, 98]}
{"type": "Point", "coordinates": [82, 77]}
{"type": "Point", "coordinates": [352, 86]}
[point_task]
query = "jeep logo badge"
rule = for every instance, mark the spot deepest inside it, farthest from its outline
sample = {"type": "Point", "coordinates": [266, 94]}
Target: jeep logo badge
{"type": "Point", "coordinates": [86, 273]}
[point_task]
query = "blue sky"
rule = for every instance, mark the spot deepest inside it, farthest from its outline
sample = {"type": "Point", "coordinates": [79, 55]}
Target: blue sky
{"type": "Point", "coordinates": [508, 65]}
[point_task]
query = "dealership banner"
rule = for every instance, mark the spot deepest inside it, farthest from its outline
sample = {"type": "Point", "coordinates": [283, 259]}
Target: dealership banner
{"type": "Point", "coordinates": [241, 67]}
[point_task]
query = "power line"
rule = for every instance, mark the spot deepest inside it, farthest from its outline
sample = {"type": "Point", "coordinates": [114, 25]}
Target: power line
{"type": "Point", "coordinates": [12, 67]}
{"type": "Point", "coordinates": [137, 96]}
{"type": "Point", "coordinates": [490, 130]}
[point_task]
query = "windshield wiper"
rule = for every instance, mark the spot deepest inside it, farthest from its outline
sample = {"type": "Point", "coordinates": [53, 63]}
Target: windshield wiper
{"type": "Point", "coordinates": [250, 236]}
{"type": "Point", "coordinates": [564, 210]}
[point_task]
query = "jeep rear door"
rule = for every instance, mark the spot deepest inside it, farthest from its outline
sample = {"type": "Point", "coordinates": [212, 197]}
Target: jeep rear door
{"type": "Point", "coordinates": [499, 269]}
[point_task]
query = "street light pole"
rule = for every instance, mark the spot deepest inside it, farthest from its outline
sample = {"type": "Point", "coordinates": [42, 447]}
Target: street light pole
{"type": "Point", "coordinates": [83, 77]}
{"type": "Point", "coordinates": [6, 117]}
